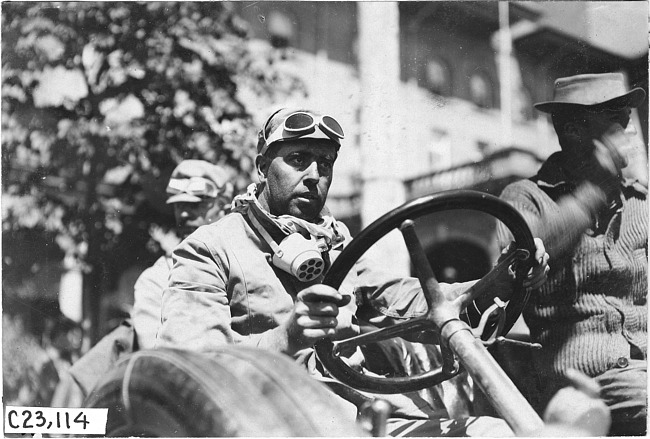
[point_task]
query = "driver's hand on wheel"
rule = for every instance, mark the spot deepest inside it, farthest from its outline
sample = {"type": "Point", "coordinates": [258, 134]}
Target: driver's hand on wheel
{"type": "Point", "coordinates": [315, 315]}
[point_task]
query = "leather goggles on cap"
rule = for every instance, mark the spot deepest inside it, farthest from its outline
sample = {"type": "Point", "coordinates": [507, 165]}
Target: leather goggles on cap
{"type": "Point", "coordinates": [194, 186]}
{"type": "Point", "coordinates": [303, 124]}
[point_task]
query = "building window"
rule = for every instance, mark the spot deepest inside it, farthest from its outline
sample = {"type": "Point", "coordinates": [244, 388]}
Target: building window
{"type": "Point", "coordinates": [438, 77]}
{"type": "Point", "coordinates": [481, 91]}
{"type": "Point", "coordinates": [282, 29]}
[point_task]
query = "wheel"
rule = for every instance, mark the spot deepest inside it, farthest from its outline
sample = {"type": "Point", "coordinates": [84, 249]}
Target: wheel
{"type": "Point", "coordinates": [237, 391]}
{"type": "Point", "coordinates": [441, 309]}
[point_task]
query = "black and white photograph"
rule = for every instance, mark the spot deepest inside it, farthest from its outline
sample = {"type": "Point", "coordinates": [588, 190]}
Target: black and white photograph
{"type": "Point", "coordinates": [324, 218]}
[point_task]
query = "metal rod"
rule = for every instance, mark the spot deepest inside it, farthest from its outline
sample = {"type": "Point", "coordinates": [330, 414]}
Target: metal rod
{"type": "Point", "coordinates": [492, 380]}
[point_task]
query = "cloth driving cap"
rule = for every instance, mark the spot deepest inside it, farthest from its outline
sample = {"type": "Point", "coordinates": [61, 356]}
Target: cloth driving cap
{"type": "Point", "coordinates": [604, 89]}
{"type": "Point", "coordinates": [292, 124]}
{"type": "Point", "coordinates": [194, 180]}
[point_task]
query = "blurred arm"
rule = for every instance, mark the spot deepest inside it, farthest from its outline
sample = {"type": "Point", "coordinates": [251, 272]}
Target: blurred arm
{"type": "Point", "coordinates": [559, 224]}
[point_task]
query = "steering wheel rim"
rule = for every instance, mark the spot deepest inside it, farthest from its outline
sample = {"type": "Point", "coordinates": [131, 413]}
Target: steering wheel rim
{"type": "Point", "coordinates": [443, 201]}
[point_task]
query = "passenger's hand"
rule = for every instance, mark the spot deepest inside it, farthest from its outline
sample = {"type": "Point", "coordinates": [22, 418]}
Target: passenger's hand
{"type": "Point", "coordinates": [604, 166]}
{"type": "Point", "coordinates": [314, 316]}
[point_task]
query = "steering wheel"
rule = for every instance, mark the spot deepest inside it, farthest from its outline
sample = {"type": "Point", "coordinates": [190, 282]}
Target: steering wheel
{"type": "Point", "coordinates": [493, 313]}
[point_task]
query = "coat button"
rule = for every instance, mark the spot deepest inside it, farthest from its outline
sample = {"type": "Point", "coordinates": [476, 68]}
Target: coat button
{"type": "Point", "coordinates": [622, 362]}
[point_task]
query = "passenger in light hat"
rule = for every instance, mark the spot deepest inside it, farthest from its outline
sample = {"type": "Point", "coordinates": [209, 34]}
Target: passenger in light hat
{"type": "Point", "coordinates": [592, 313]}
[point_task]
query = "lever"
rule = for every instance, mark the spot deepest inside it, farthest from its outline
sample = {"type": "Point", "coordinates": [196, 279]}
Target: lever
{"type": "Point", "coordinates": [524, 344]}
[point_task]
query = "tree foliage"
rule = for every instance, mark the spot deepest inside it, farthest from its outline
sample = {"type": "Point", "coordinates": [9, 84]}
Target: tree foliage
{"type": "Point", "coordinates": [29, 376]}
{"type": "Point", "coordinates": [99, 100]}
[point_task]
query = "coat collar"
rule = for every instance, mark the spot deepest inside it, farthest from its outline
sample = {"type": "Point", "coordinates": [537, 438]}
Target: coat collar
{"type": "Point", "coordinates": [553, 175]}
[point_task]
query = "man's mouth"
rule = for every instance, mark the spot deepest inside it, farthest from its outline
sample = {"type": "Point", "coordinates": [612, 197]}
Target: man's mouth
{"type": "Point", "coordinates": [308, 196]}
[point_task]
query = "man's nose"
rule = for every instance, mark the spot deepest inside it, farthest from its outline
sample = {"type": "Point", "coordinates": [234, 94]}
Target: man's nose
{"type": "Point", "coordinates": [312, 172]}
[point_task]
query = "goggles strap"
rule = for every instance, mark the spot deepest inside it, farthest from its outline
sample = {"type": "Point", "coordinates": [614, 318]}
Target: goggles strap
{"type": "Point", "coordinates": [267, 122]}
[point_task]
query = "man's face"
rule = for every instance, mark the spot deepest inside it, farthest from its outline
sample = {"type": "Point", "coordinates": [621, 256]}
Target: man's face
{"type": "Point", "coordinates": [191, 216]}
{"type": "Point", "coordinates": [298, 175]}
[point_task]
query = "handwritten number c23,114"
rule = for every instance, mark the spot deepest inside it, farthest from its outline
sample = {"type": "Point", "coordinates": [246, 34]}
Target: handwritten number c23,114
{"type": "Point", "coordinates": [40, 420]}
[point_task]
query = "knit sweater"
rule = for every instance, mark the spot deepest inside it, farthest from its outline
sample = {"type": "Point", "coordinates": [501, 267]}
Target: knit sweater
{"type": "Point", "coordinates": [591, 313]}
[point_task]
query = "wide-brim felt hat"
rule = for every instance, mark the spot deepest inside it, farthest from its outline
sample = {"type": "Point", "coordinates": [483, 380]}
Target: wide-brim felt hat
{"type": "Point", "coordinates": [605, 90]}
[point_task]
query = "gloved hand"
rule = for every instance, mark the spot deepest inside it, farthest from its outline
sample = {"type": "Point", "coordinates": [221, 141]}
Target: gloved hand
{"type": "Point", "coordinates": [537, 275]}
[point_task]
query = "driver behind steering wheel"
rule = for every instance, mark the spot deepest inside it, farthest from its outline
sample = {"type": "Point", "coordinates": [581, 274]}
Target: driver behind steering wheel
{"type": "Point", "coordinates": [254, 277]}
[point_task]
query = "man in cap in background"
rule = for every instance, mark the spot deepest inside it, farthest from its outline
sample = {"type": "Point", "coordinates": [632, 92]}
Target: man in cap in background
{"type": "Point", "coordinates": [591, 314]}
{"type": "Point", "coordinates": [199, 192]}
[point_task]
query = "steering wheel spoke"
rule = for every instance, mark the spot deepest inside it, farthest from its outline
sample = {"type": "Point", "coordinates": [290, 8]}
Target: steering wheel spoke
{"type": "Point", "coordinates": [428, 281]}
{"type": "Point", "coordinates": [407, 327]}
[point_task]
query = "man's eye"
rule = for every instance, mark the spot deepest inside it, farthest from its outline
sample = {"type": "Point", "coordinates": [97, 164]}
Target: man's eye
{"type": "Point", "coordinates": [326, 164]}
{"type": "Point", "coordinates": [297, 159]}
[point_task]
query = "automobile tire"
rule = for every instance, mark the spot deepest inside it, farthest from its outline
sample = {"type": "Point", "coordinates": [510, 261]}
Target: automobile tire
{"type": "Point", "coordinates": [237, 391]}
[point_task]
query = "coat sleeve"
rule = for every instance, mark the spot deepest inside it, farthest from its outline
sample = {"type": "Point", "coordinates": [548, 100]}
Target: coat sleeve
{"type": "Point", "coordinates": [195, 307]}
{"type": "Point", "coordinates": [147, 294]}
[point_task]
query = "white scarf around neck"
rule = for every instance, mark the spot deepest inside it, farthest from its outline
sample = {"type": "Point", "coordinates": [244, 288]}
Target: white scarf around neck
{"type": "Point", "coordinates": [326, 231]}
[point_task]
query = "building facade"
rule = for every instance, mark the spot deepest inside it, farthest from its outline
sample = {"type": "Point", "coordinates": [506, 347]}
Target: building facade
{"type": "Point", "coordinates": [458, 110]}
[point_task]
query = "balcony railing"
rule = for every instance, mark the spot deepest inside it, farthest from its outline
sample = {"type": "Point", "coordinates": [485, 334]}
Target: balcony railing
{"type": "Point", "coordinates": [493, 171]}
{"type": "Point", "coordinates": [505, 164]}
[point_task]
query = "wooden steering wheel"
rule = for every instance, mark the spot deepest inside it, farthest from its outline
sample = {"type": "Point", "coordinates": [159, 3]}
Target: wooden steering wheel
{"type": "Point", "coordinates": [503, 310]}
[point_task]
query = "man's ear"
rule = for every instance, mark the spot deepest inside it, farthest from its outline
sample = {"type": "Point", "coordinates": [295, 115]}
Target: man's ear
{"type": "Point", "coordinates": [262, 166]}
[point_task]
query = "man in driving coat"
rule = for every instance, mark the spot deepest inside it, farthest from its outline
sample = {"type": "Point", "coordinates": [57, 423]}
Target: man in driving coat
{"type": "Point", "coordinates": [254, 277]}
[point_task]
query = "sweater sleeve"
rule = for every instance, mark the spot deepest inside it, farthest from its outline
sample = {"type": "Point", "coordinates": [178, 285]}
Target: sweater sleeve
{"type": "Point", "coordinates": [559, 223]}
